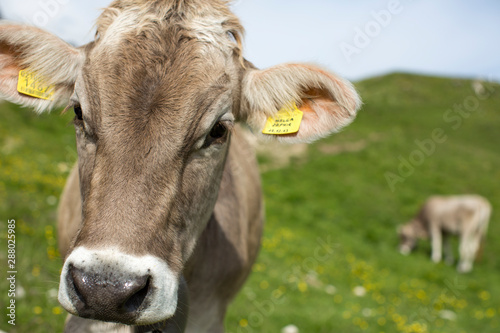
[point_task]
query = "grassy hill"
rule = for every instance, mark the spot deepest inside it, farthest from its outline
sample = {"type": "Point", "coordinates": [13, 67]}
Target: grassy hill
{"type": "Point", "coordinates": [329, 261]}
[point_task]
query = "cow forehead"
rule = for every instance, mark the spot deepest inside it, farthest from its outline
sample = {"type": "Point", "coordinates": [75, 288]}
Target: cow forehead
{"type": "Point", "coordinates": [170, 111]}
{"type": "Point", "coordinates": [207, 23]}
{"type": "Point", "coordinates": [155, 76]}
{"type": "Point", "coordinates": [205, 20]}
{"type": "Point", "coordinates": [163, 72]}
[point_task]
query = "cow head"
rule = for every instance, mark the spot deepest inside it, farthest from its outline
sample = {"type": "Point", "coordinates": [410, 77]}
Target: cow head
{"type": "Point", "coordinates": [409, 234]}
{"type": "Point", "coordinates": [156, 97]}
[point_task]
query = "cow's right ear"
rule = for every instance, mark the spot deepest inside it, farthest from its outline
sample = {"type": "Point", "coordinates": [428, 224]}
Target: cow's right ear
{"type": "Point", "coordinates": [325, 101]}
{"type": "Point", "coordinates": [41, 53]}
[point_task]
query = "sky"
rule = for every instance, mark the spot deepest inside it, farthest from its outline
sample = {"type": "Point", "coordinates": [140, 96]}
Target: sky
{"type": "Point", "coordinates": [355, 39]}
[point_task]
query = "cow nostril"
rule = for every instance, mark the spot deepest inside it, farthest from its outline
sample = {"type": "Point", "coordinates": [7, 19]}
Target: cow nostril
{"type": "Point", "coordinates": [73, 279]}
{"type": "Point", "coordinates": [135, 301]}
{"type": "Point", "coordinates": [78, 293]}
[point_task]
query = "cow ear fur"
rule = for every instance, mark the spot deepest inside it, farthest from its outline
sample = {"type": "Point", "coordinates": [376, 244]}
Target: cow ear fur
{"type": "Point", "coordinates": [29, 48]}
{"type": "Point", "coordinates": [328, 102]}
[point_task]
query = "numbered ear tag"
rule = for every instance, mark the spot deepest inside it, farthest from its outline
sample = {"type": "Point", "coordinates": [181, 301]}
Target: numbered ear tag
{"type": "Point", "coordinates": [31, 84]}
{"type": "Point", "coordinates": [286, 121]}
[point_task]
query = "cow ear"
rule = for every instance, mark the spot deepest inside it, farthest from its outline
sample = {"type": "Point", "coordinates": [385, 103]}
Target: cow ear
{"type": "Point", "coordinates": [328, 102]}
{"type": "Point", "coordinates": [48, 60]}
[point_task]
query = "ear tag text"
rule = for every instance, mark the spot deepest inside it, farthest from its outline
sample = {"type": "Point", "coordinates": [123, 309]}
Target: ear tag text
{"type": "Point", "coordinates": [31, 84]}
{"type": "Point", "coordinates": [286, 121]}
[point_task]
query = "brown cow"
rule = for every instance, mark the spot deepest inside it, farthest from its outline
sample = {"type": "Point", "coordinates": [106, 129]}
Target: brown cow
{"type": "Point", "coordinates": [465, 215]}
{"type": "Point", "coordinates": [163, 215]}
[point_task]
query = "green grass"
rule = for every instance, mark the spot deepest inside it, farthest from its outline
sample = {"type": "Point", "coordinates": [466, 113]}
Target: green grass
{"type": "Point", "coordinates": [331, 218]}
{"type": "Point", "coordinates": [37, 154]}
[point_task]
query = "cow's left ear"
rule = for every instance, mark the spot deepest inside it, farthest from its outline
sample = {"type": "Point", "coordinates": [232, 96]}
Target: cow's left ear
{"type": "Point", "coordinates": [46, 62]}
{"type": "Point", "coordinates": [328, 102]}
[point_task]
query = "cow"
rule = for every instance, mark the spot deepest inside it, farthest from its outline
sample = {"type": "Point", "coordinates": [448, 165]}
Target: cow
{"type": "Point", "coordinates": [441, 216]}
{"type": "Point", "coordinates": [161, 219]}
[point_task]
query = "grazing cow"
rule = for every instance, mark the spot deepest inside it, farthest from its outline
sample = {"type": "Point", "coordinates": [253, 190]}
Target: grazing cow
{"type": "Point", "coordinates": [163, 215]}
{"type": "Point", "coordinates": [440, 217]}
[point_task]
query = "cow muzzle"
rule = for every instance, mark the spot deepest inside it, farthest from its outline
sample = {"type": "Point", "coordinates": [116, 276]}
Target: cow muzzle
{"type": "Point", "coordinates": [110, 285]}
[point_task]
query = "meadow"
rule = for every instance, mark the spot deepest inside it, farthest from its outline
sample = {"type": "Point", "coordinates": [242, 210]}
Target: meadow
{"type": "Point", "coordinates": [329, 259]}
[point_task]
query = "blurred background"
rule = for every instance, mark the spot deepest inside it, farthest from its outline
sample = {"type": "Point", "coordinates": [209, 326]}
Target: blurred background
{"type": "Point", "coordinates": [329, 261]}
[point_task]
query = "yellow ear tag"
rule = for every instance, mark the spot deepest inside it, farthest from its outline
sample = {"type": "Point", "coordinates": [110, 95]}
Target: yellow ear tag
{"type": "Point", "coordinates": [31, 84]}
{"type": "Point", "coordinates": [286, 121]}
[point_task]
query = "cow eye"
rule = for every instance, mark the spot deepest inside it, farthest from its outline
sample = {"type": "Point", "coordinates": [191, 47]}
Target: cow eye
{"type": "Point", "coordinates": [219, 131]}
{"type": "Point", "coordinates": [78, 112]}
{"type": "Point", "coordinates": [218, 134]}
